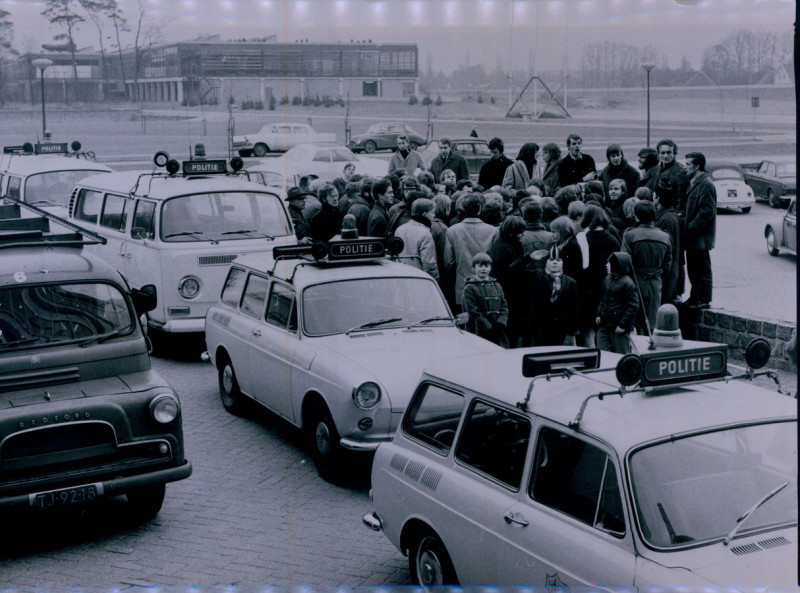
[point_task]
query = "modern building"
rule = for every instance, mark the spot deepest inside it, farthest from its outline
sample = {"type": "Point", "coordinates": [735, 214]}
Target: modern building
{"type": "Point", "coordinates": [208, 70]}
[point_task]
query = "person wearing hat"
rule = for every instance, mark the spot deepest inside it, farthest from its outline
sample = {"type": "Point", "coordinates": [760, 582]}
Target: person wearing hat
{"type": "Point", "coordinates": [667, 220]}
{"type": "Point", "coordinates": [648, 163]}
{"type": "Point", "coordinates": [618, 168]}
{"type": "Point", "coordinates": [297, 200]}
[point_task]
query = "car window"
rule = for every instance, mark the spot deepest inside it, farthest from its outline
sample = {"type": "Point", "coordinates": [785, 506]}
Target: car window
{"type": "Point", "coordinates": [578, 479]}
{"type": "Point", "coordinates": [342, 155]}
{"type": "Point", "coordinates": [285, 130]}
{"type": "Point", "coordinates": [281, 310]}
{"type": "Point", "coordinates": [14, 183]}
{"type": "Point", "coordinates": [792, 208]}
{"type": "Point", "coordinates": [143, 225]}
{"type": "Point", "coordinates": [54, 186]}
{"type": "Point", "coordinates": [725, 173]}
{"type": "Point", "coordinates": [494, 441]}
{"type": "Point", "coordinates": [232, 290]}
{"type": "Point", "coordinates": [255, 296]}
{"type": "Point", "coordinates": [115, 213]}
{"type": "Point", "coordinates": [463, 148]}
{"type": "Point", "coordinates": [787, 170]}
{"type": "Point", "coordinates": [87, 206]}
{"type": "Point", "coordinates": [433, 416]}
{"type": "Point", "coordinates": [771, 169]}
{"type": "Point", "coordinates": [323, 156]}
{"type": "Point", "coordinates": [299, 130]}
{"type": "Point", "coordinates": [483, 150]}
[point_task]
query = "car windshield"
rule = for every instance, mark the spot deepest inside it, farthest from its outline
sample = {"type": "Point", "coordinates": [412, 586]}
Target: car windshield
{"type": "Point", "coordinates": [336, 307]}
{"type": "Point", "coordinates": [341, 155]}
{"type": "Point", "coordinates": [787, 169]}
{"type": "Point", "coordinates": [54, 187]}
{"type": "Point", "coordinates": [726, 173]}
{"type": "Point", "coordinates": [696, 488]}
{"type": "Point", "coordinates": [51, 314]}
{"type": "Point", "coordinates": [223, 216]}
{"type": "Point", "coordinates": [375, 129]}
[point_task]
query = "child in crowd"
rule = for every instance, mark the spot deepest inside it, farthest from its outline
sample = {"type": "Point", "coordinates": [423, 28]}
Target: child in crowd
{"type": "Point", "coordinates": [619, 303]}
{"type": "Point", "coordinates": [485, 303]}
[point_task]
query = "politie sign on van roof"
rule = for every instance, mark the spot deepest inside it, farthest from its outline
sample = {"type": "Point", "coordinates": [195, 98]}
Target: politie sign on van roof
{"type": "Point", "coordinates": [51, 148]}
{"type": "Point", "coordinates": [216, 167]}
{"type": "Point", "coordinates": [666, 367]}
{"type": "Point", "coordinates": [356, 249]}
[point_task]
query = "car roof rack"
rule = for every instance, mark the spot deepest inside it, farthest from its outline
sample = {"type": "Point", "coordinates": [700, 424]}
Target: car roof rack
{"type": "Point", "coordinates": [17, 230]}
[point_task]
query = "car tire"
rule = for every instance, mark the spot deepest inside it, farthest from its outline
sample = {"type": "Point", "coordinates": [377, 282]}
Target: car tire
{"type": "Point", "coordinates": [429, 562]}
{"type": "Point", "coordinates": [324, 442]}
{"type": "Point", "coordinates": [745, 209]}
{"type": "Point", "coordinates": [233, 400]}
{"type": "Point", "coordinates": [772, 243]}
{"type": "Point", "coordinates": [145, 502]}
{"type": "Point", "coordinates": [773, 201]}
{"type": "Point", "coordinates": [370, 147]}
{"type": "Point", "coordinates": [260, 149]}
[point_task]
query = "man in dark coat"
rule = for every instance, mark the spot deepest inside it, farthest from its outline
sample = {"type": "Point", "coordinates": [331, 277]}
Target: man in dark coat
{"type": "Point", "coordinates": [576, 166]}
{"type": "Point", "coordinates": [378, 222]}
{"type": "Point", "coordinates": [699, 234]}
{"type": "Point", "coordinates": [448, 159]}
{"type": "Point", "coordinates": [493, 170]}
{"type": "Point", "coordinates": [327, 222]}
{"type": "Point", "coordinates": [297, 199]}
{"type": "Point", "coordinates": [668, 168]}
{"type": "Point", "coordinates": [667, 220]}
{"type": "Point", "coordinates": [619, 168]}
{"type": "Point", "coordinates": [361, 207]}
{"type": "Point", "coordinates": [648, 163]}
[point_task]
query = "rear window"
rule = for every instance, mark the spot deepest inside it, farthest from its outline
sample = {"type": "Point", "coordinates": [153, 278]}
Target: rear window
{"type": "Point", "coordinates": [726, 174]}
{"type": "Point", "coordinates": [232, 291]}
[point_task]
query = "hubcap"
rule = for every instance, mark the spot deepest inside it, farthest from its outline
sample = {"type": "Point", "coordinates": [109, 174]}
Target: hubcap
{"type": "Point", "coordinates": [771, 241]}
{"type": "Point", "coordinates": [323, 438]}
{"type": "Point", "coordinates": [227, 379]}
{"type": "Point", "coordinates": [430, 570]}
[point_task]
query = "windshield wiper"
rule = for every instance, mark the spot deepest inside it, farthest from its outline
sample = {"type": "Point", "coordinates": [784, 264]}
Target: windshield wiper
{"type": "Point", "coordinates": [740, 521]}
{"type": "Point", "coordinates": [103, 337]}
{"type": "Point", "coordinates": [431, 319]}
{"type": "Point", "coordinates": [370, 324]}
{"type": "Point", "coordinates": [247, 232]}
{"type": "Point", "coordinates": [196, 234]}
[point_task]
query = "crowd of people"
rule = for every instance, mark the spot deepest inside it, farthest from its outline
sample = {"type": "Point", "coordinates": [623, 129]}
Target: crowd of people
{"type": "Point", "coordinates": [537, 254]}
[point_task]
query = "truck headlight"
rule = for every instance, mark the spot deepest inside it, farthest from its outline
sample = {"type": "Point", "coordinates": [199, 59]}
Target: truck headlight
{"type": "Point", "coordinates": [189, 287]}
{"type": "Point", "coordinates": [367, 395]}
{"type": "Point", "coordinates": [164, 408]}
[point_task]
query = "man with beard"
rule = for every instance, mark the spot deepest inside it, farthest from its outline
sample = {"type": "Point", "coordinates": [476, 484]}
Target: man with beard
{"type": "Point", "coordinates": [576, 166]}
{"type": "Point", "coordinates": [618, 168]}
{"type": "Point", "coordinates": [405, 158]}
{"type": "Point", "coordinates": [493, 170]}
{"type": "Point", "coordinates": [648, 163]}
{"type": "Point", "coordinates": [669, 169]}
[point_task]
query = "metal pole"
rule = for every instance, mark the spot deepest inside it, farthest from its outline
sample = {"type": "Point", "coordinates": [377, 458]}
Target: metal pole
{"type": "Point", "coordinates": [44, 119]}
{"type": "Point", "coordinates": [648, 109]}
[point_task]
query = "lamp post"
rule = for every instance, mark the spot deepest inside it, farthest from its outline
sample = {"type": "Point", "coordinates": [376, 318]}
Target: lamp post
{"type": "Point", "coordinates": [41, 65]}
{"type": "Point", "coordinates": [648, 66]}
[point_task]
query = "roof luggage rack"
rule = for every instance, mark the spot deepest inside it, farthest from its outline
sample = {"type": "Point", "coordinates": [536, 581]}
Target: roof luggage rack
{"type": "Point", "coordinates": [17, 230]}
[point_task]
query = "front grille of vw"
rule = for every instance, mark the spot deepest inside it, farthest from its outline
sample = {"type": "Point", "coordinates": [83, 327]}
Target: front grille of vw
{"type": "Point", "coordinates": [215, 260]}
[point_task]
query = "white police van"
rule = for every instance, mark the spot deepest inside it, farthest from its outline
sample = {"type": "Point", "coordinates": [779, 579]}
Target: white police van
{"type": "Point", "coordinates": [45, 174]}
{"type": "Point", "coordinates": [664, 470]}
{"type": "Point", "coordinates": [179, 228]}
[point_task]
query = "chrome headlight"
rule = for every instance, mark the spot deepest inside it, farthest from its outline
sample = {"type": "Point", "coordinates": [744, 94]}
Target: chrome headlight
{"type": "Point", "coordinates": [189, 287]}
{"type": "Point", "coordinates": [367, 395]}
{"type": "Point", "coordinates": [164, 408]}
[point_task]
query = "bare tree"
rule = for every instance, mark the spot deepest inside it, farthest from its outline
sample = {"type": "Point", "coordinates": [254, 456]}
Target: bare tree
{"type": "Point", "coordinates": [6, 51]}
{"type": "Point", "coordinates": [745, 57]}
{"type": "Point", "coordinates": [114, 13]}
{"type": "Point", "coordinates": [97, 11]}
{"type": "Point", "coordinates": [146, 34]}
{"type": "Point", "coordinates": [63, 13]}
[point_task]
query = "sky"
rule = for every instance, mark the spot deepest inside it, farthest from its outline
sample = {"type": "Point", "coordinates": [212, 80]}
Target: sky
{"type": "Point", "coordinates": [449, 33]}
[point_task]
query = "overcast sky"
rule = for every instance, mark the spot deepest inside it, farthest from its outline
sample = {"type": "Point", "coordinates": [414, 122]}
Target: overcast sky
{"type": "Point", "coordinates": [450, 32]}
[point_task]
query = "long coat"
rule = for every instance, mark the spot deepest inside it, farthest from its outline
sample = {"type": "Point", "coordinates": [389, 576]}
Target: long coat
{"type": "Point", "coordinates": [487, 308]}
{"type": "Point", "coordinates": [418, 241]}
{"type": "Point", "coordinates": [462, 241]}
{"type": "Point", "coordinates": [516, 176]}
{"type": "Point", "coordinates": [668, 221]}
{"type": "Point", "coordinates": [550, 178]}
{"type": "Point", "coordinates": [701, 214]}
{"type": "Point", "coordinates": [455, 162]}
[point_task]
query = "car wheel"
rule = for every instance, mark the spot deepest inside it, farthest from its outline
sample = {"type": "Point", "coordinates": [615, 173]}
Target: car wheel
{"type": "Point", "coordinates": [370, 147]}
{"type": "Point", "coordinates": [324, 441]}
{"type": "Point", "coordinates": [260, 149]}
{"type": "Point", "coordinates": [745, 209]}
{"type": "Point", "coordinates": [413, 146]}
{"type": "Point", "coordinates": [230, 394]}
{"type": "Point", "coordinates": [772, 243]}
{"type": "Point", "coordinates": [146, 502]}
{"type": "Point", "coordinates": [773, 202]}
{"type": "Point", "coordinates": [430, 564]}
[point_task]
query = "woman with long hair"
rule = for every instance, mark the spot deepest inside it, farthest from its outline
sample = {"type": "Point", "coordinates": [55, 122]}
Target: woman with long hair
{"type": "Point", "coordinates": [519, 173]}
{"type": "Point", "coordinates": [504, 250]}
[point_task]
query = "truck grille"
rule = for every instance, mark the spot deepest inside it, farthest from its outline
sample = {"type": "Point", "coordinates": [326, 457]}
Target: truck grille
{"type": "Point", "coordinates": [215, 260]}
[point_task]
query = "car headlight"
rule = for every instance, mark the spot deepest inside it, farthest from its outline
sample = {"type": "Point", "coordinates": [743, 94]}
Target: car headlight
{"type": "Point", "coordinates": [189, 287]}
{"type": "Point", "coordinates": [367, 395]}
{"type": "Point", "coordinates": [164, 408]}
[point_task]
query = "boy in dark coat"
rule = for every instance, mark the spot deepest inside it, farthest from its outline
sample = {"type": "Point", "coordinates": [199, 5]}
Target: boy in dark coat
{"type": "Point", "coordinates": [552, 297]}
{"type": "Point", "coordinates": [484, 301]}
{"type": "Point", "coordinates": [619, 303]}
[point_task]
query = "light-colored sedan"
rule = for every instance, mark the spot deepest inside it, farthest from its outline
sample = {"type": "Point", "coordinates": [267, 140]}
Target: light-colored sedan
{"type": "Point", "coordinates": [327, 162]}
{"type": "Point", "coordinates": [278, 137]}
{"type": "Point", "coordinates": [781, 234]}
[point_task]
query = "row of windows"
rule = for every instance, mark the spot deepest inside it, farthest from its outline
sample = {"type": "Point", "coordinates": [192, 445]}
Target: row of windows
{"type": "Point", "coordinates": [280, 306]}
{"type": "Point", "coordinates": [112, 213]}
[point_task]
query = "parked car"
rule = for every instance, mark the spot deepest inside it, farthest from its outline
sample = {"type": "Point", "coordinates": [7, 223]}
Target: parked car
{"type": "Point", "coordinates": [334, 345]}
{"type": "Point", "coordinates": [83, 415]}
{"type": "Point", "coordinates": [774, 180]}
{"type": "Point", "coordinates": [475, 151]}
{"type": "Point", "coordinates": [383, 136]}
{"type": "Point", "coordinates": [732, 191]}
{"type": "Point", "coordinates": [324, 161]}
{"type": "Point", "coordinates": [278, 137]}
{"type": "Point", "coordinates": [782, 233]}
{"type": "Point", "coordinates": [574, 469]}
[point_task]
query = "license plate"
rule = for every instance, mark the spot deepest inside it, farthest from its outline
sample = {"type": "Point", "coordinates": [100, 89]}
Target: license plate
{"type": "Point", "coordinates": [66, 496]}
{"type": "Point", "coordinates": [732, 193]}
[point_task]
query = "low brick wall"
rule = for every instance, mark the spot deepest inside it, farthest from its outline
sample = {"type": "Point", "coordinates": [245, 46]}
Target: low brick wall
{"type": "Point", "coordinates": [737, 331]}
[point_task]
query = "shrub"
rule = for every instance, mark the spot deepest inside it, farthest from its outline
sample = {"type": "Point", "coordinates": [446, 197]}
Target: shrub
{"type": "Point", "coordinates": [438, 99]}
{"type": "Point", "coordinates": [305, 102]}
{"type": "Point", "coordinates": [491, 100]}
{"type": "Point", "coordinates": [426, 100]}
{"type": "Point", "coordinates": [272, 103]}
{"type": "Point", "coordinates": [296, 100]}
{"type": "Point", "coordinates": [284, 100]}
{"type": "Point", "coordinates": [231, 100]}
{"type": "Point", "coordinates": [328, 102]}
{"type": "Point", "coordinates": [480, 98]}
{"type": "Point", "coordinates": [412, 100]}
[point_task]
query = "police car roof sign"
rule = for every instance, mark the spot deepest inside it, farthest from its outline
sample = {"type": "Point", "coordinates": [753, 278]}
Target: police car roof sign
{"type": "Point", "coordinates": [205, 167]}
{"type": "Point", "coordinates": [51, 148]}
{"type": "Point", "coordinates": [670, 367]}
{"type": "Point", "coordinates": [356, 249]}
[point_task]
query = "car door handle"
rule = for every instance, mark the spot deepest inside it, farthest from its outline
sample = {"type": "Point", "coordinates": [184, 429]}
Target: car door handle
{"type": "Point", "coordinates": [257, 332]}
{"type": "Point", "coordinates": [511, 518]}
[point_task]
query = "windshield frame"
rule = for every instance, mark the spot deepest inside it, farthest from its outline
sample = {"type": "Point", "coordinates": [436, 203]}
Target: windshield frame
{"type": "Point", "coordinates": [633, 500]}
{"type": "Point", "coordinates": [66, 198]}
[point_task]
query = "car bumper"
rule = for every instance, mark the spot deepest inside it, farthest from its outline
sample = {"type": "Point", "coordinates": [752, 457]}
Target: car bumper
{"type": "Point", "coordinates": [357, 445]}
{"type": "Point", "coordinates": [372, 521]}
{"type": "Point", "coordinates": [180, 326]}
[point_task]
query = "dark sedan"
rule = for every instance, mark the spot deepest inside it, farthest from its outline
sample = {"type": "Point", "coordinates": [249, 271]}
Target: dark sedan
{"type": "Point", "coordinates": [772, 180]}
{"type": "Point", "coordinates": [384, 137]}
{"type": "Point", "coordinates": [475, 152]}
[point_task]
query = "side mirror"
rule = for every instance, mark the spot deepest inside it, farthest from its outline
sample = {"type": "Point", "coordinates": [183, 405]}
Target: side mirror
{"type": "Point", "coordinates": [144, 298]}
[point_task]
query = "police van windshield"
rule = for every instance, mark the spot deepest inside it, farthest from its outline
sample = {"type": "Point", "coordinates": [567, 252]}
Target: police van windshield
{"type": "Point", "coordinates": [53, 187]}
{"type": "Point", "coordinates": [695, 489]}
{"type": "Point", "coordinates": [223, 216]}
{"type": "Point", "coordinates": [337, 307]}
{"type": "Point", "coordinates": [51, 314]}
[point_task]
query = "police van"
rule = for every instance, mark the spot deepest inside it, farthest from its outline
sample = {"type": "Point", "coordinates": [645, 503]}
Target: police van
{"type": "Point", "coordinates": [179, 228]}
{"type": "Point", "coordinates": [45, 174]}
{"type": "Point", "coordinates": [570, 468]}
{"type": "Point", "coordinates": [82, 415]}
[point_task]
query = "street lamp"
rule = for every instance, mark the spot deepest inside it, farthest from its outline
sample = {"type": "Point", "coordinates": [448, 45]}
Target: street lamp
{"type": "Point", "coordinates": [648, 66]}
{"type": "Point", "coordinates": [41, 65]}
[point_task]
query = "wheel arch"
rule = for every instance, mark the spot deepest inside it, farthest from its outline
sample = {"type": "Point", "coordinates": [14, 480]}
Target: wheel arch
{"type": "Point", "coordinates": [413, 530]}
{"type": "Point", "coordinates": [312, 400]}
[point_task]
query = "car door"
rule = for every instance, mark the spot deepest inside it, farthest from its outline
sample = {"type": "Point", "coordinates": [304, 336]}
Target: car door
{"type": "Point", "coordinates": [272, 346]}
{"type": "Point", "coordinates": [572, 528]}
{"type": "Point", "coordinates": [141, 254]}
{"type": "Point", "coordinates": [283, 139]}
{"type": "Point", "coordinates": [758, 180]}
{"type": "Point", "coordinates": [790, 226]}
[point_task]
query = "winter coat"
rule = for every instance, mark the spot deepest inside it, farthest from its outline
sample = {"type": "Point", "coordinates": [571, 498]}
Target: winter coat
{"type": "Point", "coordinates": [516, 175]}
{"type": "Point", "coordinates": [651, 257]}
{"type": "Point", "coordinates": [378, 222]}
{"type": "Point", "coordinates": [549, 318]}
{"type": "Point", "coordinates": [679, 178]}
{"type": "Point", "coordinates": [326, 223]}
{"type": "Point", "coordinates": [623, 171]}
{"type": "Point", "coordinates": [701, 214]}
{"type": "Point", "coordinates": [668, 221]}
{"type": "Point", "coordinates": [550, 178]}
{"type": "Point", "coordinates": [535, 237]}
{"type": "Point", "coordinates": [455, 162]}
{"type": "Point", "coordinates": [409, 164]}
{"type": "Point", "coordinates": [619, 300]}
{"type": "Point", "coordinates": [299, 222]}
{"type": "Point", "coordinates": [486, 304]}
{"type": "Point", "coordinates": [572, 171]}
{"type": "Point", "coordinates": [601, 245]}
{"type": "Point", "coordinates": [492, 171]}
{"type": "Point", "coordinates": [361, 209]}
{"type": "Point", "coordinates": [399, 214]}
{"type": "Point", "coordinates": [649, 178]}
{"type": "Point", "coordinates": [463, 241]}
{"type": "Point", "coordinates": [418, 241]}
